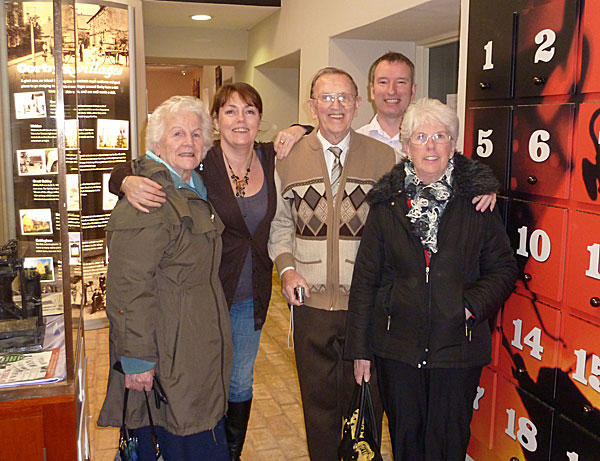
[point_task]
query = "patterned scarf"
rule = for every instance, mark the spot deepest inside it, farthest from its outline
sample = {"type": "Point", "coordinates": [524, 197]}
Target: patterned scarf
{"type": "Point", "coordinates": [428, 203]}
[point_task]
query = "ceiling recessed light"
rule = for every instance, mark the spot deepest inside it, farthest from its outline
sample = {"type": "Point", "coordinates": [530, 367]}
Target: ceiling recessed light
{"type": "Point", "coordinates": [201, 17]}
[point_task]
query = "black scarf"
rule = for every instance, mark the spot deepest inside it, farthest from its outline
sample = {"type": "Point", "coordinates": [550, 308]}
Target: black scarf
{"type": "Point", "coordinates": [428, 203]}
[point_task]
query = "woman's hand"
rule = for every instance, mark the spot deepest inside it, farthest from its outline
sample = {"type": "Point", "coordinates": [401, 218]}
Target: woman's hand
{"type": "Point", "coordinates": [362, 369]}
{"type": "Point", "coordinates": [286, 139]}
{"type": "Point", "coordinates": [140, 381]}
{"type": "Point", "coordinates": [141, 192]}
{"type": "Point", "coordinates": [485, 201]}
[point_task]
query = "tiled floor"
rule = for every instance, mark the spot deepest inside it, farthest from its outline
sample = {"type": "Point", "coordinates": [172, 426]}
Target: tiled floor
{"type": "Point", "coordinates": [276, 430]}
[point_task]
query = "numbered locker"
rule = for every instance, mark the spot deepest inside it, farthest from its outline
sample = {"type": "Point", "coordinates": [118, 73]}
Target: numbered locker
{"type": "Point", "coordinates": [542, 144]}
{"type": "Point", "coordinates": [547, 49]}
{"type": "Point", "coordinates": [496, 328]}
{"type": "Point", "coordinates": [483, 406]}
{"type": "Point", "coordinates": [585, 175]}
{"type": "Point", "coordinates": [589, 46]}
{"type": "Point", "coordinates": [489, 142]}
{"type": "Point", "coordinates": [530, 345]}
{"type": "Point", "coordinates": [522, 424]}
{"type": "Point", "coordinates": [571, 442]}
{"type": "Point", "coordinates": [578, 379]}
{"type": "Point", "coordinates": [503, 205]}
{"type": "Point", "coordinates": [476, 451]}
{"type": "Point", "coordinates": [583, 264]}
{"type": "Point", "coordinates": [490, 55]}
{"type": "Point", "coordinates": [538, 234]}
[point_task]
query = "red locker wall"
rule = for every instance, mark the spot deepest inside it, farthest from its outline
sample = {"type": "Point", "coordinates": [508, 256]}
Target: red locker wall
{"type": "Point", "coordinates": [533, 110]}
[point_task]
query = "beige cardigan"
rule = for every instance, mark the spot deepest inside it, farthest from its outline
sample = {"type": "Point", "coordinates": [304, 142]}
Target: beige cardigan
{"type": "Point", "coordinates": [310, 232]}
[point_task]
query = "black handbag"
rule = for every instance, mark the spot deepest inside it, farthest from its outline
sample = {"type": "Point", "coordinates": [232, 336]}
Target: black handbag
{"type": "Point", "coordinates": [360, 439]}
{"type": "Point", "coordinates": [128, 443]}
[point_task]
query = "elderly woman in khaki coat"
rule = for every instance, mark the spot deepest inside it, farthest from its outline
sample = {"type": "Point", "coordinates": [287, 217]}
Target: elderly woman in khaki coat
{"type": "Point", "coordinates": [167, 310]}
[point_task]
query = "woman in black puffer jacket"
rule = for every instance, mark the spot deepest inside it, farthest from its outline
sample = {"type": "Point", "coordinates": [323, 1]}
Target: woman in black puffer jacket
{"type": "Point", "coordinates": [429, 274]}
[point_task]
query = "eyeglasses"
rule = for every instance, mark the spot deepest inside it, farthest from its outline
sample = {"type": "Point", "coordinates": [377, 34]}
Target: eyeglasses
{"type": "Point", "coordinates": [420, 139]}
{"type": "Point", "coordinates": [345, 99]}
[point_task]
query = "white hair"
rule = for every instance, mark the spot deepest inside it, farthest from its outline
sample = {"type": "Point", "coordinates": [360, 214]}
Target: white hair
{"type": "Point", "coordinates": [428, 110]}
{"type": "Point", "coordinates": [177, 104]}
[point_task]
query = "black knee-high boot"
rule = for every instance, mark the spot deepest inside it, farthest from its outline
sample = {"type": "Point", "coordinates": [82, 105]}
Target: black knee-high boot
{"type": "Point", "coordinates": [236, 425]}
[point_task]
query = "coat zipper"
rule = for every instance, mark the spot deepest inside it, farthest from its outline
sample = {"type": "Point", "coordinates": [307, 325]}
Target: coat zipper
{"type": "Point", "coordinates": [428, 304]}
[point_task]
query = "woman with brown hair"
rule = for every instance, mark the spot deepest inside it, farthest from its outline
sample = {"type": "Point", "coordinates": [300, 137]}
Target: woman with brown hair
{"type": "Point", "coordinates": [238, 173]}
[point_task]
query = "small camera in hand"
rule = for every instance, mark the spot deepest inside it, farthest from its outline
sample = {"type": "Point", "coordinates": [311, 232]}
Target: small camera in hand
{"type": "Point", "coordinates": [299, 292]}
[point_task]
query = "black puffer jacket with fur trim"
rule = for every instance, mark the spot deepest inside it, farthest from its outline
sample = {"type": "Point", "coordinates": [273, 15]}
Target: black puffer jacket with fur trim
{"type": "Point", "coordinates": [403, 309]}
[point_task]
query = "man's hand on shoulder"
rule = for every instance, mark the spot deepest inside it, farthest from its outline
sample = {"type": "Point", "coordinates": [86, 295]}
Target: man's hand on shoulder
{"type": "Point", "coordinates": [143, 192]}
{"type": "Point", "coordinates": [485, 201]}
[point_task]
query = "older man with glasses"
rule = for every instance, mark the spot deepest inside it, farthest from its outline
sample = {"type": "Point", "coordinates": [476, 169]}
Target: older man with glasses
{"type": "Point", "coordinates": [321, 212]}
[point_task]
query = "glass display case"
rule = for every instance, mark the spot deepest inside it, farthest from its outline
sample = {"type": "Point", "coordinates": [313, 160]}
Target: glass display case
{"type": "Point", "coordinates": [67, 120]}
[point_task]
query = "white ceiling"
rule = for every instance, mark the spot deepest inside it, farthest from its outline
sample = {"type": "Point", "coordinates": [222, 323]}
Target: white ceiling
{"type": "Point", "coordinates": [177, 14]}
{"type": "Point", "coordinates": [429, 21]}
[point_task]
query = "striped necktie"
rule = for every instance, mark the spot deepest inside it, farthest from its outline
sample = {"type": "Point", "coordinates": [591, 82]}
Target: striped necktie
{"type": "Point", "coordinates": [336, 170]}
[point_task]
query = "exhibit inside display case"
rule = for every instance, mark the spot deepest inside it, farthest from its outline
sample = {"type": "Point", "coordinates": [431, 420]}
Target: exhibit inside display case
{"type": "Point", "coordinates": [67, 119]}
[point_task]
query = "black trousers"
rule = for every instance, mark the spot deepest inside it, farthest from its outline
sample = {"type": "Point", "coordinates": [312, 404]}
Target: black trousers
{"type": "Point", "coordinates": [326, 380]}
{"type": "Point", "coordinates": [429, 410]}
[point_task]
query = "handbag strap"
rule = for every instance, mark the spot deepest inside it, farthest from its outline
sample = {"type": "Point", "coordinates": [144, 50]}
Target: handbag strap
{"type": "Point", "coordinates": [152, 430]}
{"type": "Point", "coordinates": [125, 398]}
{"type": "Point", "coordinates": [366, 411]}
{"type": "Point", "coordinates": [361, 410]}
{"type": "Point", "coordinates": [371, 414]}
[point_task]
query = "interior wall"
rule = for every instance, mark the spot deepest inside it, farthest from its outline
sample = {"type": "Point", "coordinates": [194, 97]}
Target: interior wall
{"type": "Point", "coordinates": [308, 26]}
{"type": "Point", "coordinates": [187, 43]}
{"type": "Point", "coordinates": [170, 81]}
{"type": "Point", "coordinates": [278, 88]}
{"type": "Point", "coordinates": [356, 57]}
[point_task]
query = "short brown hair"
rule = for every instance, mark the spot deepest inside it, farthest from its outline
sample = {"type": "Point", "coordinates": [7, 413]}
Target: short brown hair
{"type": "Point", "coordinates": [392, 56]}
{"type": "Point", "coordinates": [247, 92]}
{"type": "Point", "coordinates": [331, 71]}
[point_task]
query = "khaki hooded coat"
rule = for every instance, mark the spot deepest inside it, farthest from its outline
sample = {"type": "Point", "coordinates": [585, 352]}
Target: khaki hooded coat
{"type": "Point", "coordinates": [165, 304]}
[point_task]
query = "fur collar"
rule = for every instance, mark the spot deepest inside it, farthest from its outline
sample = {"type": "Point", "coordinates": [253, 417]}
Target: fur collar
{"type": "Point", "coordinates": [470, 178]}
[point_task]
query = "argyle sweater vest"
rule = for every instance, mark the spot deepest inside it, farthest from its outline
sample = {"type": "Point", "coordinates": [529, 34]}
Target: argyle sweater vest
{"type": "Point", "coordinates": [313, 232]}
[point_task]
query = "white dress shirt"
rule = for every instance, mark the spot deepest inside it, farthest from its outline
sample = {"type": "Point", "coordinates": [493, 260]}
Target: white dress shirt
{"type": "Point", "coordinates": [373, 130]}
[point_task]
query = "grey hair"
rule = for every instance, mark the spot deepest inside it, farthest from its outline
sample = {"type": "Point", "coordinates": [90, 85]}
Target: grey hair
{"type": "Point", "coordinates": [426, 110]}
{"type": "Point", "coordinates": [331, 71]}
{"type": "Point", "coordinates": [175, 104]}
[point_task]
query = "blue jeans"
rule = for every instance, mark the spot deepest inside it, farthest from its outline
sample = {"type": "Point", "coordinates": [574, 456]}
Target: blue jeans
{"type": "Point", "coordinates": [245, 347]}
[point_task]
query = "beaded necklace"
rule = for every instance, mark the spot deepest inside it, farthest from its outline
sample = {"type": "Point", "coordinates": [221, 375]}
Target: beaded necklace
{"type": "Point", "coordinates": [240, 184]}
